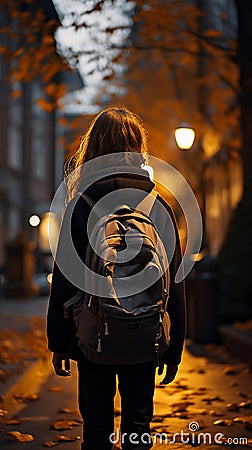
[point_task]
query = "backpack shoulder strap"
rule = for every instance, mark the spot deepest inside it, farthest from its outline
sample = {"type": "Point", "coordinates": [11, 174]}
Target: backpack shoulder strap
{"type": "Point", "coordinates": [147, 203]}
{"type": "Point", "coordinates": [100, 211]}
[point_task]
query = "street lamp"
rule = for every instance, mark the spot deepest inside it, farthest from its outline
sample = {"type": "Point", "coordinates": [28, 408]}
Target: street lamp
{"type": "Point", "coordinates": [184, 137]}
{"type": "Point", "coordinates": [34, 220]}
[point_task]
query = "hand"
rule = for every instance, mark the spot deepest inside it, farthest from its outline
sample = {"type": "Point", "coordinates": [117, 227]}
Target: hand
{"type": "Point", "coordinates": [170, 375]}
{"type": "Point", "coordinates": [63, 370]}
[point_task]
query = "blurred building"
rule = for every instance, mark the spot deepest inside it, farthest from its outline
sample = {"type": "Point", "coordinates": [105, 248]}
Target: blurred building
{"type": "Point", "coordinates": [28, 152]}
{"type": "Point", "coordinates": [196, 88]}
{"type": "Point", "coordinates": [222, 173]}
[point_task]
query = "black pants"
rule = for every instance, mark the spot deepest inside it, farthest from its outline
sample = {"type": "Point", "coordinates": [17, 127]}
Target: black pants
{"type": "Point", "coordinates": [97, 388]}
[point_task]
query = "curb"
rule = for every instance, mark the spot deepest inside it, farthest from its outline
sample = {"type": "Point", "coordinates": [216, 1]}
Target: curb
{"type": "Point", "coordinates": [26, 384]}
{"type": "Point", "coordinates": [238, 342]}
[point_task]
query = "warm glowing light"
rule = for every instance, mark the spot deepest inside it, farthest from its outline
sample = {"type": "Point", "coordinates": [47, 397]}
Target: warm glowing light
{"type": "Point", "coordinates": [184, 137]}
{"type": "Point", "coordinates": [49, 278]}
{"type": "Point", "coordinates": [48, 231]}
{"type": "Point", "coordinates": [197, 256]}
{"type": "Point", "coordinates": [34, 220]}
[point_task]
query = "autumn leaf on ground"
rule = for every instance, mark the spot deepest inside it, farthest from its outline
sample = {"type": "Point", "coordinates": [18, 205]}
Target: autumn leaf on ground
{"type": "Point", "coordinates": [181, 415]}
{"type": "Point", "coordinates": [233, 384]}
{"type": "Point", "coordinates": [55, 389]}
{"type": "Point", "coordinates": [64, 424]}
{"type": "Point", "coordinates": [3, 412]}
{"type": "Point", "coordinates": [223, 422]}
{"type": "Point", "coordinates": [215, 413]}
{"type": "Point", "coordinates": [245, 420]}
{"type": "Point", "coordinates": [229, 371]}
{"type": "Point", "coordinates": [68, 411]}
{"type": "Point", "coordinates": [12, 422]}
{"type": "Point", "coordinates": [20, 437]}
{"type": "Point", "coordinates": [63, 438]}
{"type": "Point", "coordinates": [158, 429]}
{"type": "Point", "coordinates": [198, 411]}
{"type": "Point", "coordinates": [209, 400]}
{"type": "Point", "coordinates": [232, 406]}
{"type": "Point", "coordinates": [27, 398]}
{"type": "Point", "coordinates": [158, 419]}
{"type": "Point", "coordinates": [246, 404]}
{"type": "Point", "coordinates": [50, 444]}
{"type": "Point", "coordinates": [181, 406]}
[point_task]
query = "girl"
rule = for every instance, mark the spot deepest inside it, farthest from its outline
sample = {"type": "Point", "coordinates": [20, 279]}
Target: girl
{"type": "Point", "coordinates": [115, 131]}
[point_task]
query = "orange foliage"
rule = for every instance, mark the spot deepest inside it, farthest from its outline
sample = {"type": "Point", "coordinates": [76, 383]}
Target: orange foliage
{"type": "Point", "coordinates": [45, 105]}
{"type": "Point", "coordinates": [31, 49]}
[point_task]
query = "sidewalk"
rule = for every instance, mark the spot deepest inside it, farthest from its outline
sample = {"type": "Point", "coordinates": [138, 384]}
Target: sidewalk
{"type": "Point", "coordinates": [24, 359]}
{"type": "Point", "coordinates": [211, 394]}
{"type": "Point", "coordinates": [209, 402]}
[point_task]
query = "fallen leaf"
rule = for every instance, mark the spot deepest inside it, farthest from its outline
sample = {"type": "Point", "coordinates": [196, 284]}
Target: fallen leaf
{"type": "Point", "coordinates": [20, 398]}
{"type": "Point", "coordinates": [181, 406]}
{"type": "Point", "coordinates": [229, 371]}
{"type": "Point", "coordinates": [20, 437]}
{"type": "Point", "coordinates": [64, 424]}
{"type": "Point", "coordinates": [190, 392]}
{"type": "Point", "coordinates": [242, 394]}
{"type": "Point", "coordinates": [223, 422]}
{"type": "Point", "coordinates": [181, 415]}
{"type": "Point", "coordinates": [239, 419]}
{"type": "Point", "coordinates": [3, 412]}
{"type": "Point", "coordinates": [12, 422]}
{"type": "Point", "coordinates": [209, 400]}
{"type": "Point", "coordinates": [26, 398]}
{"type": "Point", "coordinates": [68, 411]}
{"type": "Point", "coordinates": [233, 383]}
{"type": "Point", "coordinates": [243, 419]}
{"type": "Point", "coordinates": [50, 444]}
{"type": "Point", "coordinates": [248, 424]}
{"type": "Point", "coordinates": [158, 419]}
{"type": "Point", "coordinates": [198, 411]}
{"type": "Point", "coordinates": [215, 413]}
{"type": "Point", "coordinates": [33, 397]}
{"type": "Point", "coordinates": [158, 429]}
{"type": "Point", "coordinates": [244, 404]}
{"type": "Point", "coordinates": [63, 438]}
{"type": "Point", "coordinates": [232, 407]}
{"type": "Point", "coordinates": [55, 389]}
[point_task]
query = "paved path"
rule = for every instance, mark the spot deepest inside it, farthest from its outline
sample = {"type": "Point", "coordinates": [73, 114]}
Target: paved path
{"type": "Point", "coordinates": [207, 389]}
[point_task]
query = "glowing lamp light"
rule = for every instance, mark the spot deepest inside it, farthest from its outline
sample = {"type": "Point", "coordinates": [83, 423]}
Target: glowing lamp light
{"type": "Point", "coordinates": [49, 278]}
{"type": "Point", "coordinates": [34, 220]}
{"type": "Point", "coordinates": [184, 137]}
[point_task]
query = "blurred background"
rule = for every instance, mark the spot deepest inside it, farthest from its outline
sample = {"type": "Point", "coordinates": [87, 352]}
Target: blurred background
{"type": "Point", "coordinates": [179, 65]}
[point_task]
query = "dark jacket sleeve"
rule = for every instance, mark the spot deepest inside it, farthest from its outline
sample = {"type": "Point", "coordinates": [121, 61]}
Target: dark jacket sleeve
{"type": "Point", "coordinates": [176, 303]}
{"type": "Point", "coordinates": [61, 331]}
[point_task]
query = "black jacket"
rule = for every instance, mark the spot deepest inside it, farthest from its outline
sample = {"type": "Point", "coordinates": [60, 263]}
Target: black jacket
{"type": "Point", "coordinates": [61, 331]}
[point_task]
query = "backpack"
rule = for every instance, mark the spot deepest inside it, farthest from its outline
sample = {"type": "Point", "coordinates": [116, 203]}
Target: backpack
{"type": "Point", "coordinates": [122, 328]}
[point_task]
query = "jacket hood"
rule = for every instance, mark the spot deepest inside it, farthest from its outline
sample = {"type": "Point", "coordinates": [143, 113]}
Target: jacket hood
{"type": "Point", "coordinates": [125, 186]}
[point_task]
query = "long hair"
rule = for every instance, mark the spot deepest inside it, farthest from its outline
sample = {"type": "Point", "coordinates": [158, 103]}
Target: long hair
{"type": "Point", "coordinates": [115, 129]}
